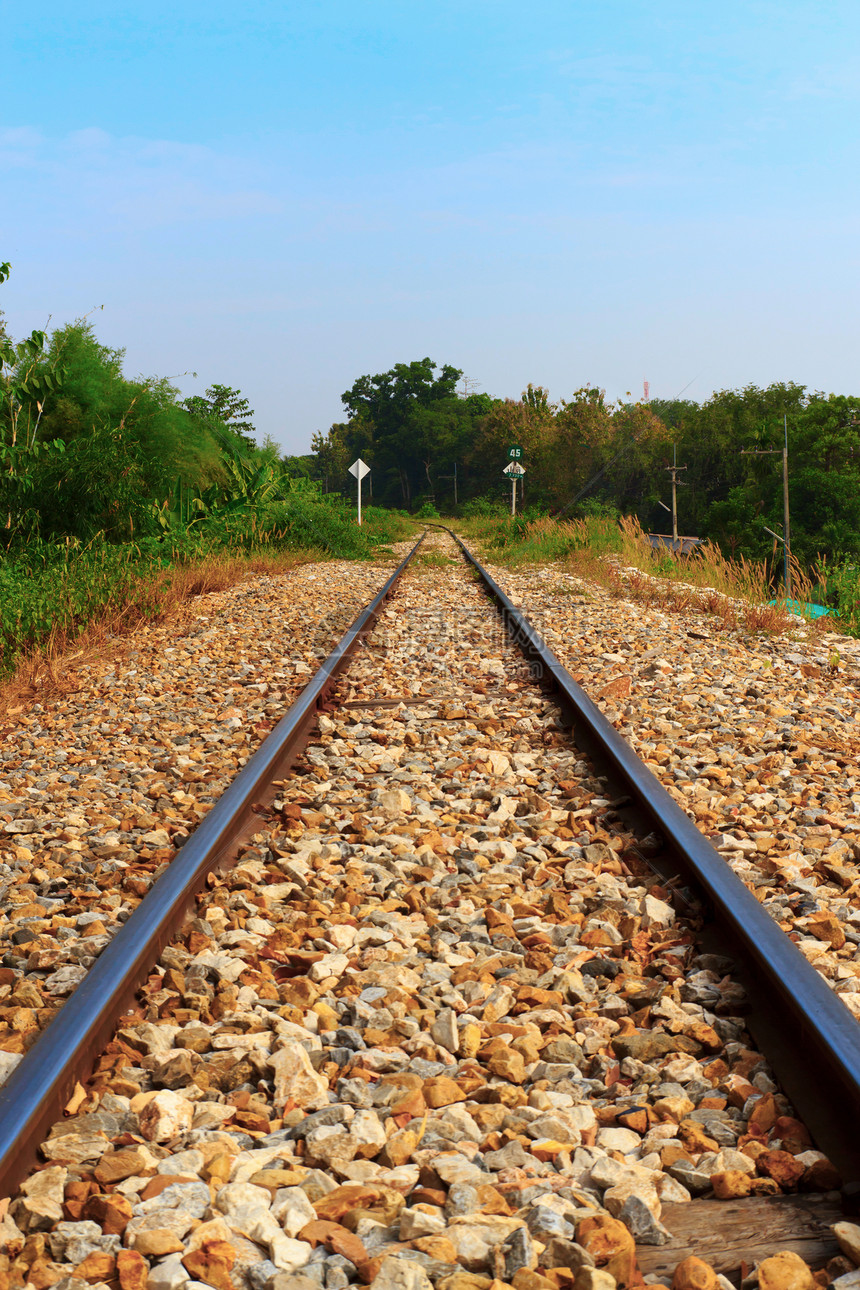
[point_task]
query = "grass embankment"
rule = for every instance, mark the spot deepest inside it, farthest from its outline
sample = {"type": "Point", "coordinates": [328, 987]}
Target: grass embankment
{"type": "Point", "coordinates": [56, 597]}
{"type": "Point", "coordinates": [617, 555]}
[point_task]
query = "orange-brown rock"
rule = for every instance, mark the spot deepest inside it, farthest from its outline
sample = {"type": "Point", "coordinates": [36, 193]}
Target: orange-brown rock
{"type": "Point", "coordinates": [793, 1134]}
{"type": "Point", "coordinates": [132, 1270]}
{"type": "Point", "coordinates": [559, 1278]}
{"type": "Point", "coordinates": [301, 992]}
{"type": "Point", "coordinates": [117, 1165]}
{"type": "Point", "coordinates": [470, 1040]}
{"type": "Point", "coordinates": [827, 927]}
{"type": "Point", "coordinates": [155, 1242]}
{"type": "Point", "coordinates": [508, 1095]}
{"type": "Point", "coordinates": [441, 1091]}
{"type": "Point", "coordinates": [336, 1238]}
{"type": "Point", "coordinates": [428, 1196]}
{"type": "Point", "coordinates": [737, 1090]}
{"type": "Point", "coordinates": [782, 1167]}
{"type": "Point", "coordinates": [610, 1245]}
{"type": "Point", "coordinates": [273, 1179]}
{"type": "Point", "coordinates": [399, 1148]}
{"type": "Point", "coordinates": [41, 1274]}
{"type": "Point", "coordinates": [489, 1115]}
{"type": "Point", "coordinates": [461, 1280]}
{"type": "Point", "coordinates": [785, 1271]}
{"type": "Point", "coordinates": [217, 1169]}
{"type": "Point", "coordinates": [379, 1200]}
{"type": "Point", "coordinates": [491, 1201]}
{"type": "Point", "coordinates": [438, 1247]}
{"type": "Point", "coordinates": [752, 1147]}
{"type": "Point", "coordinates": [731, 1184]}
{"type": "Point", "coordinates": [412, 1104]}
{"type": "Point", "coordinates": [549, 1150]}
{"type": "Point", "coordinates": [764, 1114]}
{"type": "Point", "coordinates": [211, 1262]}
{"type": "Point", "coordinates": [160, 1182]}
{"type": "Point", "coordinates": [694, 1274]}
{"type": "Point", "coordinates": [112, 1213]}
{"type": "Point", "coordinates": [98, 1266]}
{"type": "Point", "coordinates": [595, 938]}
{"type": "Point", "coordinates": [693, 1137]}
{"type": "Point", "coordinates": [765, 1187]}
{"type": "Point", "coordinates": [407, 1080]}
{"type": "Point", "coordinates": [527, 1047]}
{"type": "Point", "coordinates": [77, 1189]}
{"type": "Point", "coordinates": [638, 1118]}
{"type": "Point", "coordinates": [526, 1280]}
{"type": "Point", "coordinates": [508, 1064]}
{"type": "Point", "coordinates": [494, 918]}
{"type": "Point", "coordinates": [704, 1035]}
{"type": "Point", "coordinates": [821, 1176]}
{"type": "Point", "coordinates": [716, 1070]}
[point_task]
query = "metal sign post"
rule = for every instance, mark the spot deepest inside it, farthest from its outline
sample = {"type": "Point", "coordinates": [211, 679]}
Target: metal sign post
{"type": "Point", "coordinates": [516, 471]}
{"type": "Point", "coordinates": [359, 468]}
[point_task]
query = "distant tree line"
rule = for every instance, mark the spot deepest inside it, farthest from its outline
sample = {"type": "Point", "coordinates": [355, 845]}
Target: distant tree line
{"type": "Point", "coordinates": [583, 453]}
{"type": "Point", "coordinates": [86, 450]}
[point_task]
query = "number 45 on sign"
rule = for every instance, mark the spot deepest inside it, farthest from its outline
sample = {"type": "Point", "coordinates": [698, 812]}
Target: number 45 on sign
{"type": "Point", "coordinates": [515, 471]}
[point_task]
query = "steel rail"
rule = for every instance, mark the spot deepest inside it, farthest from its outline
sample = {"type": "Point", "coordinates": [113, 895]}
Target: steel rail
{"type": "Point", "coordinates": [34, 1097]}
{"type": "Point", "coordinates": [809, 1036]}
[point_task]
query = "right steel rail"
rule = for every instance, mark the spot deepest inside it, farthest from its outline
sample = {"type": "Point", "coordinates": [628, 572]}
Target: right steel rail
{"type": "Point", "coordinates": [810, 1037]}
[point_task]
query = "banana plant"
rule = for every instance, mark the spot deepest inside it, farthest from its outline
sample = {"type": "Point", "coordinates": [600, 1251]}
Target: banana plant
{"type": "Point", "coordinates": [184, 507]}
{"type": "Point", "coordinates": [255, 482]}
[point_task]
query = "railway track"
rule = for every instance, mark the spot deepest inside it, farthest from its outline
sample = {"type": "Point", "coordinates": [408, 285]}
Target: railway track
{"type": "Point", "coordinates": [449, 1014]}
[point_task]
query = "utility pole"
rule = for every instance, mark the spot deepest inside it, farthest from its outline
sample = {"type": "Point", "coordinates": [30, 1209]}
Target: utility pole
{"type": "Point", "coordinates": [786, 529]}
{"type": "Point", "coordinates": [454, 477]}
{"type": "Point", "coordinates": [673, 469]}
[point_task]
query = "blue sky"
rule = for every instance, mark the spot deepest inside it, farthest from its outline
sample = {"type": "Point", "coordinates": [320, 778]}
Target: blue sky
{"type": "Point", "coordinates": [284, 197]}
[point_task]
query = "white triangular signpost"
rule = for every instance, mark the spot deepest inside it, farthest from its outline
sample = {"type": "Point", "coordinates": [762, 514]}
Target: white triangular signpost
{"type": "Point", "coordinates": [359, 468]}
{"type": "Point", "coordinates": [516, 471]}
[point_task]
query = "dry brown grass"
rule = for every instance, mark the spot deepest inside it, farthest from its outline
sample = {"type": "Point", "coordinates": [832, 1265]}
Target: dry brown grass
{"type": "Point", "coordinates": [53, 668]}
{"type": "Point", "coordinates": [733, 592]}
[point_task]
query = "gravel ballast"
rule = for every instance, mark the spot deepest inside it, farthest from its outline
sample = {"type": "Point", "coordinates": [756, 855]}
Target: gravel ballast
{"type": "Point", "coordinates": [437, 1027]}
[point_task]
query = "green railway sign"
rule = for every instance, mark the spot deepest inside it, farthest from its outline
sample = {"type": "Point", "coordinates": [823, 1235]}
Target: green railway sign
{"type": "Point", "coordinates": [515, 452]}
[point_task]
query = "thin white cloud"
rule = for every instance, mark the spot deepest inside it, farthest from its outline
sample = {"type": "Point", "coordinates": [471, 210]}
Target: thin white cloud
{"type": "Point", "coordinates": [828, 81]}
{"type": "Point", "coordinates": [97, 181]}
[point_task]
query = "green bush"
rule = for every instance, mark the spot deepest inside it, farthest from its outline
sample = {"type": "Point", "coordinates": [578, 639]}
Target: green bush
{"type": "Point", "coordinates": [48, 587]}
{"type": "Point", "coordinates": [59, 587]}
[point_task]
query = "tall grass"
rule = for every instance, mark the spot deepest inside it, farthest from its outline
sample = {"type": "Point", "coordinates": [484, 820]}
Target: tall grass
{"type": "Point", "coordinates": [52, 594]}
{"type": "Point", "coordinates": [618, 555]}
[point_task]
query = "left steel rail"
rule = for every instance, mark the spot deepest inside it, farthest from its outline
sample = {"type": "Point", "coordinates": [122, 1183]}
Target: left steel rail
{"type": "Point", "coordinates": [42, 1084]}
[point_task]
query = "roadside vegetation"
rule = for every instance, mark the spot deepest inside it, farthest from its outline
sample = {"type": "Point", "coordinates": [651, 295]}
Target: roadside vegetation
{"type": "Point", "coordinates": [616, 554]}
{"type": "Point", "coordinates": [118, 498]}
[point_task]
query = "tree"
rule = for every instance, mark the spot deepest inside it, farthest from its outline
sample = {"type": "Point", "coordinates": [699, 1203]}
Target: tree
{"type": "Point", "coordinates": [333, 455]}
{"type": "Point", "coordinates": [385, 404]}
{"type": "Point", "coordinates": [527, 421]}
{"type": "Point", "coordinates": [26, 382]}
{"type": "Point", "coordinates": [225, 406]}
